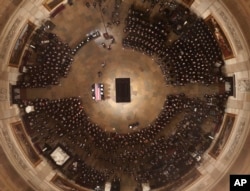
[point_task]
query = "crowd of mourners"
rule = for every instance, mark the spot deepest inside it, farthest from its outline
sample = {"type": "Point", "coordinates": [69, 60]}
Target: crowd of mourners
{"type": "Point", "coordinates": [52, 61]}
{"type": "Point", "coordinates": [142, 35]}
{"type": "Point", "coordinates": [194, 57]}
{"type": "Point", "coordinates": [48, 59]}
{"type": "Point", "coordinates": [148, 155]}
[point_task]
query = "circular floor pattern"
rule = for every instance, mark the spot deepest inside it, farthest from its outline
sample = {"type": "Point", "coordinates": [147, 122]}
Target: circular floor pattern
{"type": "Point", "coordinates": [148, 87]}
{"type": "Point", "coordinates": [146, 80]}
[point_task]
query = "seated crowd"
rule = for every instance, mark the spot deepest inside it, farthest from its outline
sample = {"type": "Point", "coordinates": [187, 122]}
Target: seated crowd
{"type": "Point", "coordinates": [178, 16]}
{"type": "Point", "coordinates": [52, 61]}
{"type": "Point", "coordinates": [88, 176]}
{"type": "Point", "coordinates": [143, 35]}
{"type": "Point", "coordinates": [147, 155]}
{"type": "Point", "coordinates": [194, 57]}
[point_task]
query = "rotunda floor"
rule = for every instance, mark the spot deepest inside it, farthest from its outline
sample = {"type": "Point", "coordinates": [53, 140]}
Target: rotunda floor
{"type": "Point", "coordinates": [148, 87]}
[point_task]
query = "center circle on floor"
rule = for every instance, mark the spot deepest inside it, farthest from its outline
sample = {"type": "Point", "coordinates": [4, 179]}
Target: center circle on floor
{"type": "Point", "coordinates": [147, 87]}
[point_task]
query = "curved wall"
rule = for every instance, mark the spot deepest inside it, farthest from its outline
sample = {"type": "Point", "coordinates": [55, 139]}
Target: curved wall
{"type": "Point", "coordinates": [212, 170]}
